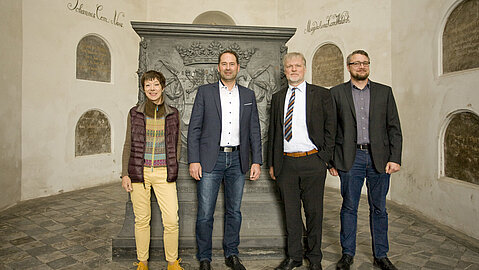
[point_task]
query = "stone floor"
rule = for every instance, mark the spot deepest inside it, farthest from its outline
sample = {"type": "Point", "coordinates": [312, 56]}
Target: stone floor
{"type": "Point", "coordinates": [74, 231]}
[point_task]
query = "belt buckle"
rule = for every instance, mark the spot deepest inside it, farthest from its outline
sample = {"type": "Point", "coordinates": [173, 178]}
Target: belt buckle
{"type": "Point", "coordinates": [363, 146]}
{"type": "Point", "coordinates": [228, 149]}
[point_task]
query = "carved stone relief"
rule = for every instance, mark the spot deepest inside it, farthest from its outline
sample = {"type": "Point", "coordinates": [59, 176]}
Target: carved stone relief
{"type": "Point", "coordinates": [188, 65]}
{"type": "Point", "coordinates": [92, 134]}
{"type": "Point", "coordinates": [460, 39]}
{"type": "Point", "coordinates": [328, 66]}
{"type": "Point", "coordinates": [461, 148]}
{"type": "Point", "coordinates": [93, 60]}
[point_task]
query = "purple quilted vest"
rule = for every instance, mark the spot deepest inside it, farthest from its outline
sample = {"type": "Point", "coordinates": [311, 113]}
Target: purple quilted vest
{"type": "Point", "coordinates": [137, 154]}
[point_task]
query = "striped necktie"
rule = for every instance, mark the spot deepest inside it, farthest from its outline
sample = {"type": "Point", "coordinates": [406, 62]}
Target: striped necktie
{"type": "Point", "coordinates": [288, 120]}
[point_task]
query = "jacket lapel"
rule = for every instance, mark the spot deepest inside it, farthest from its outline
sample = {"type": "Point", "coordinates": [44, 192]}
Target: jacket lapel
{"type": "Point", "coordinates": [372, 99]}
{"type": "Point", "coordinates": [216, 98]}
{"type": "Point", "coordinates": [281, 105]}
{"type": "Point", "coordinates": [241, 100]}
{"type": "Point", "coordinates": [309, 104]}
{"type": "Point", "coordinates": [349, 96]}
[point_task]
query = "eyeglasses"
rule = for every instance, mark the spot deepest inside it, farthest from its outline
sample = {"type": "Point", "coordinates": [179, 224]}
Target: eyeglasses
{"type": "Point", "coordinates": [357, 64]}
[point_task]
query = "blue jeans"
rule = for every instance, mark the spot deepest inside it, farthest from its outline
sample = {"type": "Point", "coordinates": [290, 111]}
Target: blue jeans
{"type": "Point", "coordinates": [227, 167]}
{"type": "Point", "coordinates": [378, 186]}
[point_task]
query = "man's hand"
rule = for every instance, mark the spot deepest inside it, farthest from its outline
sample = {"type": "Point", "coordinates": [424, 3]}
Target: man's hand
{"type": "Point", "coordinates": [254, 172]}
{"type": "Point", "coordinates": [126, 183]}
{"type": "Point", "coordinates": [392, 167]}
{"type": "Point", "coordinates": [271, 173]}
{"type": "Point", "coordinates": [333, 172]}
{"type": "Point", "coordinates": [195, 171]}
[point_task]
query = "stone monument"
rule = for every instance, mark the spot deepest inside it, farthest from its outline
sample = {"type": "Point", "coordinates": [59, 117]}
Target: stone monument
{"type": "Point", "coordinates": [187, 54]}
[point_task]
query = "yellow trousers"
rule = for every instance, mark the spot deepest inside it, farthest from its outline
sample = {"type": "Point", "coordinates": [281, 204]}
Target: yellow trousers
{"type": "Point", "coordinates": [167, 200]}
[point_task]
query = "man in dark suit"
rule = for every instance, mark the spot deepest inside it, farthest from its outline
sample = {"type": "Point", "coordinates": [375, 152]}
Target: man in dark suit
{"type": "Point", "coordinates": [224, 126]}
{"type": "Point", "coordinates": [301, 141]}
{"type": "Point", "coordinates": [368, 145]}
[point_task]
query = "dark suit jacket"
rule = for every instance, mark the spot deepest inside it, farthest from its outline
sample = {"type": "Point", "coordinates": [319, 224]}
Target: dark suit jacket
{"type": "Point", "coordinates": [384, 128]}
{"type": "Point", "coordinates": [204, 131]}
{"type": "Point", "coordinates": [319, 120]}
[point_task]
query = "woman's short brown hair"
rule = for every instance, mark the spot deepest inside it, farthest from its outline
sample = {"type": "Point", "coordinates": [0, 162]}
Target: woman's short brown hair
{"type": "Point", "coordinates": [151, 75]}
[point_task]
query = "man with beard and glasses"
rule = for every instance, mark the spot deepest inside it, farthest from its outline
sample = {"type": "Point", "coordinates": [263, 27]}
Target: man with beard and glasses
{"type": "Point", "coordinates": [368, 145]}
{"type": "Point", "coordinates": [224, 128]}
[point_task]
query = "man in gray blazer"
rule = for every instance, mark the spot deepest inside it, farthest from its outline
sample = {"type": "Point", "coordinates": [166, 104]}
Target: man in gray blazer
{"type": "Point", "coordinates": [368, 145]}
{"type": "Point", "coordinates": [224, 126]}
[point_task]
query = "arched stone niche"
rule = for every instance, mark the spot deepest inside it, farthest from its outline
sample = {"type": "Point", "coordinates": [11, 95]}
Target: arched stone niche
{"type": "Point", "coordinates": [461, 147]}
{"type": "Point", "coordinates": [92, 134]}
{"type": "Point", "coordinates": [460, 39]}
{"type": "Point", "coordinates": [93, 59]}
{"type": "Point", "coordinates": [214, 18]}
{"type": "Point", "coordinates": [328, 66]}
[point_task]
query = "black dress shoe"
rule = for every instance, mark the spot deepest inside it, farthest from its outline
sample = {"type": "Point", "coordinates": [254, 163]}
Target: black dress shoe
{"type": "Point", "coordinates": [205, 265]}
{"type": "Point", "coordinates": [345, 262]}
{"type": "Point", "coordinates": [289, 264]}
{"type": "Point", "coordinates": [384, 264]}
{"type": "Point", "coordinates": [234, 263]}
{"type": "Point", "coordinates": [315, 266]}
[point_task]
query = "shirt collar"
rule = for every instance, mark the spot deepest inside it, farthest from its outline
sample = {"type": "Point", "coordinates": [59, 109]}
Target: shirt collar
{"type": "Point", "coordinates": [354, 87]}
{"type": "Point", "coordinates": [224, 87]}
{"type": "Point", "coordinates": [301, 87]}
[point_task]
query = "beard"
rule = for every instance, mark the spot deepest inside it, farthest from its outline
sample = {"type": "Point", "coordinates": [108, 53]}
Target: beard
{"type": "Point", "coordinates": [360, 77]}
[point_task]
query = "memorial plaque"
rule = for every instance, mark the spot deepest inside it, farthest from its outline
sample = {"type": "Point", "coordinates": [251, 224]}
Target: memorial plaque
{"type": "Point", "coordinates": [92, 134]}
{"type": "Point", "coordinates": [328, 66]}
{"type": "Point", "coordinates": [461, 149]}
{"type": "Point", "coordinates": [460, 39]}
{"type": "Point", "coordinates": [93, 60]}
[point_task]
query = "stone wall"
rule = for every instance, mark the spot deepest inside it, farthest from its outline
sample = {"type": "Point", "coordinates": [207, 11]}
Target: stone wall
{"type": "Point", "coordinates": [427, 101]}
{"type": "Point", "coordinates": [11, 102]}
{"type": "Point", "coordinates": [54, 98]}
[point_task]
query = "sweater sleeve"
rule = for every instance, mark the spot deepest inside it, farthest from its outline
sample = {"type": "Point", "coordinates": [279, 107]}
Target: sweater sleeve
{"type": "Point", "coordinates": [126, 148]}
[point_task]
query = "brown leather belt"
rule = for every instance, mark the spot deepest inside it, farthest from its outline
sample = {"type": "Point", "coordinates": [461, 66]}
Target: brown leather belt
{"type": "Point", "coordinates": [301, 154]}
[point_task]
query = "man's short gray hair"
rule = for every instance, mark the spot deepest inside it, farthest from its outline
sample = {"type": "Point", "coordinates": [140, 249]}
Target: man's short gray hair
{"type": "Point", "coordinates": [293, 55]}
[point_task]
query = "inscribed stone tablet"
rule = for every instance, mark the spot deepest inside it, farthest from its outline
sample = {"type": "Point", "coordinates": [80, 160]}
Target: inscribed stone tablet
{"type": "Point", "coordinates": [461, 38]}
{"type": "Point", "coordinates": [93, 60]}
{"type": "Point", "coordinates": [328, 69]}
{"type": "Point", "coordinates": [462, 148]}
{"type": "Point", "coordinates": [92, 134]}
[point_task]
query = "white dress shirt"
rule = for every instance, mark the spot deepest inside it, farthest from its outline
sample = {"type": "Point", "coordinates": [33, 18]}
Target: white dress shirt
{"type": "Point", "coordinates": [300, 141]}
{"type": "Point", "coordinates": [230, 118]}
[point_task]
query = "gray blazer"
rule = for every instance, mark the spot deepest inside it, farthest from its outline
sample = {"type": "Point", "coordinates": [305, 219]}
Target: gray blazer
{"type": "Point", "coordinates": [385, 135]}
{"type": "Point", "coordinates": [204, 131]}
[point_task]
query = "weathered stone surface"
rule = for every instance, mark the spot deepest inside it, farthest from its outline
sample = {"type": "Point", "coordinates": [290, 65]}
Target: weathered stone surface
{"type": "Point", "coordinates": [93, 60]}
{"type": "Point", "coordinates": [460, 39]}
{"type": "Point", "coordinates": [92, 134]}
{"type": "Point", "coordinates": [328, 66]}
{"type": "Point", "coordinates": [461, 147]}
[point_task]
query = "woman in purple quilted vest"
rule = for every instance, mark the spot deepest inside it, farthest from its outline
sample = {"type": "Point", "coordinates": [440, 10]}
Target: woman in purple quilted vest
{"type": "Point", "coordinates": [150, 160]}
